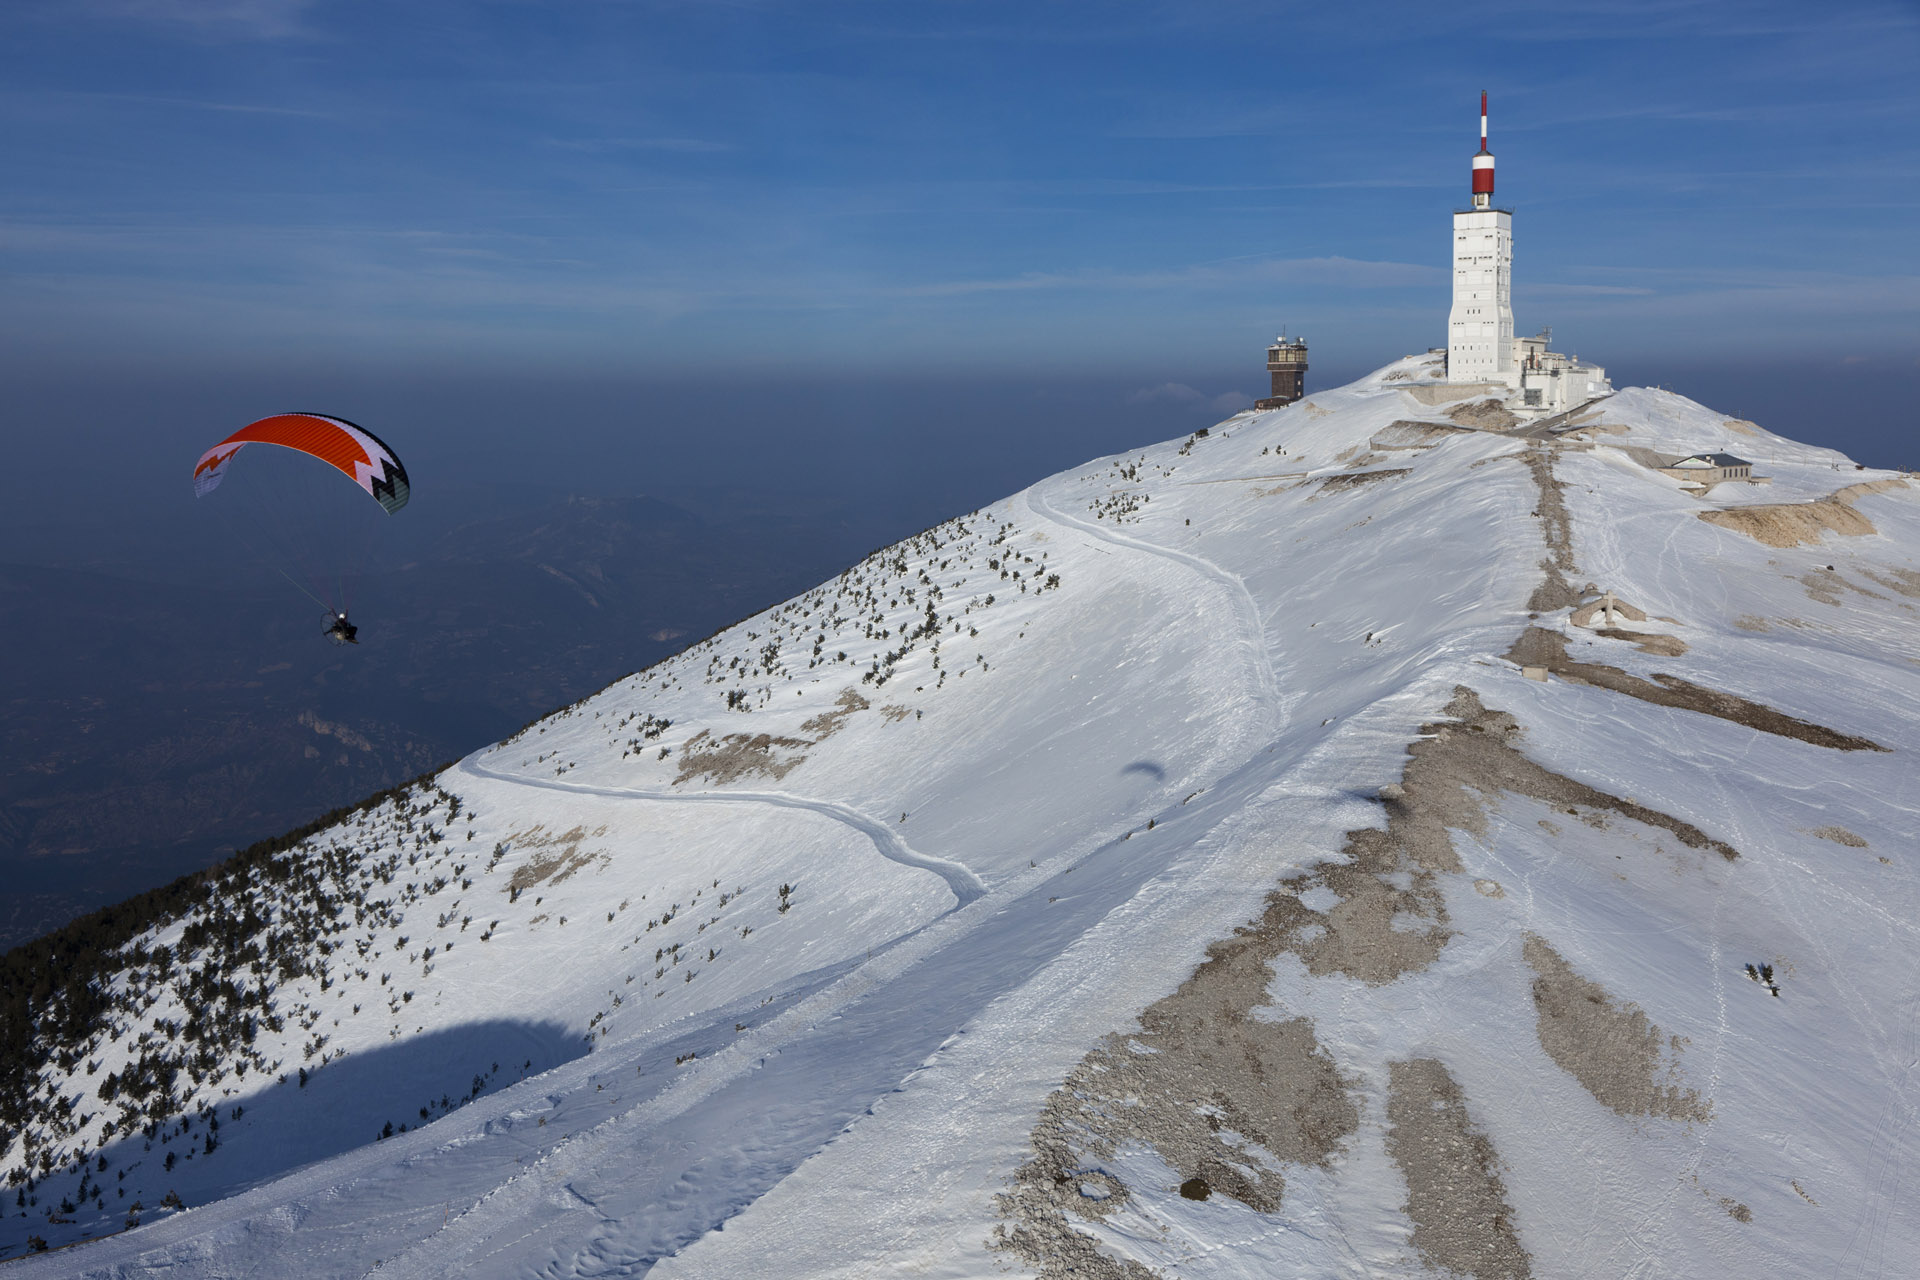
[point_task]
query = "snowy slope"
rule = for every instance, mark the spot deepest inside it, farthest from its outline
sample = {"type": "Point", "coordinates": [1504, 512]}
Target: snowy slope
{"type": "Point", "coordinates": [1170, 869]}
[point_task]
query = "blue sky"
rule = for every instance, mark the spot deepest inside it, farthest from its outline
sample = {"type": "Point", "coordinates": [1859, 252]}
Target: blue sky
{"type": "Point", "coordinates": [608, 186]}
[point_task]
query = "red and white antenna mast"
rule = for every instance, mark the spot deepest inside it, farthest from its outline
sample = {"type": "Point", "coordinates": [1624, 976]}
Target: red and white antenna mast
{"type": "Point", "coordinates": [1483, 163]}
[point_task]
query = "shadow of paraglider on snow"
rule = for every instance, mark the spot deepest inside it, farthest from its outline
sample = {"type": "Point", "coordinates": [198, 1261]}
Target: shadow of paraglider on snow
{"type": "Point", "coordinates": [1147, 769]}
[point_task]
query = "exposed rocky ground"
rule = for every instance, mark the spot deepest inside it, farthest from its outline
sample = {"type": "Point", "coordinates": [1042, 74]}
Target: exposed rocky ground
{"type": "Point", "coordinates": [1264, 853]}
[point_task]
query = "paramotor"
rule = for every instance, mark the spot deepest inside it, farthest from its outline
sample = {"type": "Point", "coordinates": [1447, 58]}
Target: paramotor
{"type": "Point", "coordinates": [293, 509]}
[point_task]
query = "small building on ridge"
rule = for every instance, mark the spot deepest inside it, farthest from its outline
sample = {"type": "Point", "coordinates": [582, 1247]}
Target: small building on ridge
{"type": "Point", "coordinates": [1708, 468]}
{"type": "Point", "coordinates": [1287, 365]}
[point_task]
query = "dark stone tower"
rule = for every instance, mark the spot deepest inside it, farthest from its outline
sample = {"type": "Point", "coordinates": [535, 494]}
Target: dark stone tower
{"type": "Point", "coordinates": [1287, 362]}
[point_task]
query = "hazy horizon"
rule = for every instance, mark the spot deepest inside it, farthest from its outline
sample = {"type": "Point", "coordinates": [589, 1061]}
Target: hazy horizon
{"type": "Point", "coordinates": [816, 278]}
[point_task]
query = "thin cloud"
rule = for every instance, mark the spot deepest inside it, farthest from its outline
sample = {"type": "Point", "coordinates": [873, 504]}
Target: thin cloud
{"type": "Point", "coordinates": [1179, 393]}
{"type": "Point", "coordinates": [685, 146]}
{"type": "Point", "coordinates": [1167, 392]}
{"type": "Point", "coordinates": [1234, 273]}
{"type": "Point", "coordinates": [1744, 113]}
{"type": "Point", "coordinates": [1550, 290]}
{"type": "Point", "coordinates": [1645, 20]}
{"type": "Point", "coordinates": [1710, 294]}
{"type": "Point", "coordinates": [255, 19]}
{"type": "Point", "coordinates": [201, 104]}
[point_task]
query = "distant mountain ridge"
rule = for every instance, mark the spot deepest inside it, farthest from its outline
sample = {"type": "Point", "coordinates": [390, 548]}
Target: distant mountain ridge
{"type": "Point", "coordinates": [1367, 836]}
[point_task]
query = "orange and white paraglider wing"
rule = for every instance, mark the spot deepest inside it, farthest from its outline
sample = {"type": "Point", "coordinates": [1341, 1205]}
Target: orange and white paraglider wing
{"type": "Point", "coordinates": [354, 451]}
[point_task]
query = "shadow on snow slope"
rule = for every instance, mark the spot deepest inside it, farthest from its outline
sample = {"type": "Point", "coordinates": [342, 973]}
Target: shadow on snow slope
{"type": "Point", "coordinates": [259, 1135]}
{"type": "Point", "coordinates": [674, 1179]}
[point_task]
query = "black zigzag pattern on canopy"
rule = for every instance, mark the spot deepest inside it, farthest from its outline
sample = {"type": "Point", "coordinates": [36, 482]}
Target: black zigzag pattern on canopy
{"type": "Point", "coordinates": [391, 488]}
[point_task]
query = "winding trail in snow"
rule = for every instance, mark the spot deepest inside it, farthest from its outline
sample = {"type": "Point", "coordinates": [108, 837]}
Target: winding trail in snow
{"type": "Point", "coordinates": [492, 1223]}
{"type": "Point", "coordinates": [1253, 632]}
{"type": "Point", "coordinates": [509, 1217]}
{"type": "Point", "coordinates": [557, 1207]}
{"type": "Point", "coordinates": [961, 879]}
{"type": "Point", "coordinates": [630, 1183]}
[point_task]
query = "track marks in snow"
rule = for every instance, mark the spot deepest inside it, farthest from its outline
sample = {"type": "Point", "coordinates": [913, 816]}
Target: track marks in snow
{"type": "Point", "coordinates": [965, 884]}
{"type": "Point", "coordinates": [1253, 637]}
{"type": "Point", "coordinates": [1888, 1157]}
{"type": "Point", "coordinates": [520, 1209]}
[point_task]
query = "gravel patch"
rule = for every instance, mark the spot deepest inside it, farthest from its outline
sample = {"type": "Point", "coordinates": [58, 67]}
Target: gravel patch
{"type": "Point", "coordinates": [1228, 1099]}
{"type": "Point", "coordinates": [555, 856]}
{"type": "Point", "coordinates": [1793, 524]}
{"type": "Point", "coordinates": [1407, 434]}
{"type": "Point", "coordinates": [1616, 1053]}
{"type": "Point", "coordinates": [1655, 642]}
{"type": "Point", "coordinates": [1485, 415]}
{"type": "Point", "coordinates": [1540, 647]}
{"type": "Point", "coordinates": [1462, 1223]}
{"type": "Point", "coordinates": [828, 723]}
{"type": "Point", "coordinates": [737, 756]}
{"type": "Point", "coordinates": [1349, 481]}
{"type": "Point", "coordinates": [1906, 582]}
{"type": "Point", "coordinates": [1554, 591]}
{"type": "Point", "coordinates": [1223, 1097]}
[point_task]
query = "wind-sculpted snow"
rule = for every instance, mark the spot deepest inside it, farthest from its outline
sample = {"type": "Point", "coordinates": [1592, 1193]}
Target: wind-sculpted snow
{"type": "Point", "coordinates": [1169, 870]}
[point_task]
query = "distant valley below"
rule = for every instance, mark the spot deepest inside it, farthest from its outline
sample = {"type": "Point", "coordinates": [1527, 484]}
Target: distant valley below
{"type": "Point", "coordinates": [155, 726]}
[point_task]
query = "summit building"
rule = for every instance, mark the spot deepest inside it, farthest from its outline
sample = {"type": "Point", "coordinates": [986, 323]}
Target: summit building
{"type": "Point", "coordinates": [1481, 347]}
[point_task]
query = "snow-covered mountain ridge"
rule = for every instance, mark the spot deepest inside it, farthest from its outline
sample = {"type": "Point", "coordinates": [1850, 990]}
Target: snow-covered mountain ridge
{"type": "Point", "coordinates": [1170, 869]}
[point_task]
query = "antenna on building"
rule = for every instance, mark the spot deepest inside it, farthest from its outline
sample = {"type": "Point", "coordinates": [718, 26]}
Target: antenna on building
{"type": "Point", "coordinates": [1483, 163]}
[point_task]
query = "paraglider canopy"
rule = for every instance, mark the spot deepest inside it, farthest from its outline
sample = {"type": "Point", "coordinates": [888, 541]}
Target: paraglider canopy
{"type": "Point", "coordinates": [292, 508]}
{"type": "Point", "coordinates": [354, 451]}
